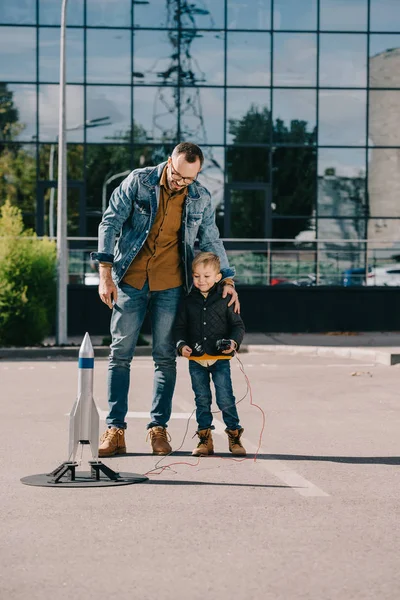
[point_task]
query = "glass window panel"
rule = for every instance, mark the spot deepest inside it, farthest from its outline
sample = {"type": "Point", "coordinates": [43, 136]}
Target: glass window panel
{"type": "Point", "coordinates": [212, 175]}
{"type": "Point", "coordinates": [294, 182]}
{"type": "Point", "coordinates": [74, 161]}
{"type": "Point", "coordinates": [18, 53]}
{"type": "Point", "coordinates": [50, 12]}
{"type": "Point", "coordinates": [295, 59]}
{"type": "Point", "coordinates": [384, 182]}
{"type": "Point", "coordinates": [148, 156]}
{"type": "Point", "coordinates": [344, 15]}
{"type": "Point", "coordinates": [17, 112]}
{"type": "Point", "coordinates": [248, 116]}
{"type": "Point", "coordinates": [202, 59]}
{"type": "Point", "coordinates": [110, 107]}
{"type": "Point", "coordinates": [48, 113]}
{"type": "Point", "coordinates": [19, 184]}
{"type": "Point", "coordinates": [384, 61]}
{"type": "Point", "coordinates": [155, 13]}
{"type": "Point", "coordinates": [284, 228]}
{"type": "Point", "coordinates": [343, 252]}
{"type": "Point", "coordinates": [155, 57]}
{"type": "Point", "coordinates": [247, 164]}
{"type": "Point", "coordinates": [207, 14]}
{"type": "Point", "coordinates": [244, 15]}
{"type": "Point", "coordinates": [155, 114]}
{"type": "Point", "coordinates": [342, 60]}
{"type": "Point", "coordinates": [292, 14]}
{"type": "Point", "coordinates": [294, 116]}
{"type": "Point", "coordinates": [103, 13]}
{"type": "Point", "coordinates": [20, 12]}
{"type": "Point", "coordinates": [248, 58]}
{"type": "Point", "coordinates": [342, 117]}
{"type": "Point", "coordinates": [384, 107]}
{"type": "Point", "coordinates": [341, 229]}
{"type": "Point", "coordinates": [248, 213]}
{"type": "Point", "coordinates": [49, 54]}
{"type": "Point", "coordinates": [341, 182]}
{"type": "Point", "coordinates": [385, 15]}
{"type": "Point", "coordinates": [202, 115]}
{"type": "Point", "coordinates": [386, 232]}
{"type": "Point", "coordinates": [108, 56]}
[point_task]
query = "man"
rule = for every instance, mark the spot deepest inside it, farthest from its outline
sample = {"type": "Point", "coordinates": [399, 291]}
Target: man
{"type": "Point", "coordinates": [158, 213]}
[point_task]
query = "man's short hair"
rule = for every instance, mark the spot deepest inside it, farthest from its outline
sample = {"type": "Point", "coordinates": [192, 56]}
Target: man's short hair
{"type": "Point", "coordinates": [206, 259]}
{"type": "Point", "coordinates": [191, 152]}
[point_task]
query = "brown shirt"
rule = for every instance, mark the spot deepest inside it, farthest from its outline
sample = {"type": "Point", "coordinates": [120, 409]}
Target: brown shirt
{"type": "Point", "coordinates": [159, 260]}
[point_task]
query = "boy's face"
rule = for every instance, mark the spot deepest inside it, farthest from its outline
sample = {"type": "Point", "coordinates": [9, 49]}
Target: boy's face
{"type": "Point", "coordinates": [205, 276]}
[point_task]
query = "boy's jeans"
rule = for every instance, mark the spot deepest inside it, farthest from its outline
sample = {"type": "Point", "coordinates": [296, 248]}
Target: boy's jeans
{"type": "Point", "coordinates": [126, 321]}
{"type": "Point", "coordinates": [220, 372]}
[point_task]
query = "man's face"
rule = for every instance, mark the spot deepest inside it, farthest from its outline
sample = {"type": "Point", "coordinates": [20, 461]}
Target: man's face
{"type": "Point", "coordinates": [205, 276]}
{"type": "Point", "coordinates": [181, 173]}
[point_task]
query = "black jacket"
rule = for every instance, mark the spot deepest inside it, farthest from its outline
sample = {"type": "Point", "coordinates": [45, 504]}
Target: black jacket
{"type": "Point", "coordinates": [202, 321]}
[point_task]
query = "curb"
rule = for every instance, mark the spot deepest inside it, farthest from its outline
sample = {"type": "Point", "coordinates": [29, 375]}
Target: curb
{"type": "Point", "coordinates": [388, 357]}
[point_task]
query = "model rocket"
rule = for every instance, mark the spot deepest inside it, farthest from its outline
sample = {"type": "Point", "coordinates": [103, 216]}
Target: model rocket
{"type": "Point", "coordinates": [84, 417]}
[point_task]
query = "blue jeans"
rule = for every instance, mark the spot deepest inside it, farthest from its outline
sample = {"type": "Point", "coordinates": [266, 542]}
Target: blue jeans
{"type": "Point", "coordinates": [126, 321]}
{"type": "Point", "coordinates": [220, 372]}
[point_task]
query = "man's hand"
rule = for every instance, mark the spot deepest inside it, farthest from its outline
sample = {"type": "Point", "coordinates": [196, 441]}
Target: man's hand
{"type": "Point", "coordinates": [186, 351]}
{"type": "Point", "coordinates": [229, 289]}
{"type": "Point", "coordinates": [233, 347]}
{"type": "Point", "coordinates": [107, 288]}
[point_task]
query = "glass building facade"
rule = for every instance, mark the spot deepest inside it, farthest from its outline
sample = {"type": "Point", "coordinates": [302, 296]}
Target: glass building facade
{"type": "Point", "coordinates": [296, 104]}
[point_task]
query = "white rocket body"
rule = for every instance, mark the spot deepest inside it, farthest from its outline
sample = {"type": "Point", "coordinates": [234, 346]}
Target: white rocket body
{"type": "Point", "coordinates": [84, 417]}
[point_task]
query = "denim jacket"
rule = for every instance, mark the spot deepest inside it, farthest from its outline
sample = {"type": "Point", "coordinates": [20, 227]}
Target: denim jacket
{"type": "Point", "coordinates": [131, 213]}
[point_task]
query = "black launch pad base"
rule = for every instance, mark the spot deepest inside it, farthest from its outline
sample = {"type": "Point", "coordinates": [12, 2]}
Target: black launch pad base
{"type": "Point", "coordinates": [67, 476]}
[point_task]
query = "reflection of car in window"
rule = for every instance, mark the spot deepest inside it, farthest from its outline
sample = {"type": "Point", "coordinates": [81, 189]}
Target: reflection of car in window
{"type": "Point", "coordinates": [355, 276]}
{"type": "Point", "coordinates": [385, 275]}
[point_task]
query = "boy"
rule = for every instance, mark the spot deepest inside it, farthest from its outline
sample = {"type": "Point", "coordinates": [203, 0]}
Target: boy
{"type": "Point", "coordinates": [207, 331]}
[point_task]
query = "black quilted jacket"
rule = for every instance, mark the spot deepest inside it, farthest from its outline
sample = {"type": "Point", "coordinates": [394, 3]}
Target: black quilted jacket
{"type": "Point", "coordinates": [203, 321]}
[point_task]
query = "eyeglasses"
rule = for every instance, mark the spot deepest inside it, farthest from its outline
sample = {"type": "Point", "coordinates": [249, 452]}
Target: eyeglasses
{"type": "Point", "coordinates": [178, 177]}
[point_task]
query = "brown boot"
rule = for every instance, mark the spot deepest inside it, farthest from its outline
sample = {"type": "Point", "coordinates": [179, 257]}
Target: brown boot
{"type": "Point", "coordinates": [112, 442]}
{"type": "Point", "coordinates": [205, 447]}
{"type": "Point", "coordinates": [235, 445]}
{"type": "Point", "coordinates": [159, 438]}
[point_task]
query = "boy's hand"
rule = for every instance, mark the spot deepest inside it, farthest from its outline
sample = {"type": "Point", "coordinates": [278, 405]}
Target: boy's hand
{"type": "Point", "coordinates": [231, 349]}
{"type": "Point", "coordinates": [186, 351]}
{"type": "Point", "coordinates": [229, 289]}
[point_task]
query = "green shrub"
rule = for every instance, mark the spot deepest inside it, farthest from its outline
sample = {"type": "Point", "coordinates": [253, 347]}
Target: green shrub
{"type": "Point", "coordinates": [27, 282]}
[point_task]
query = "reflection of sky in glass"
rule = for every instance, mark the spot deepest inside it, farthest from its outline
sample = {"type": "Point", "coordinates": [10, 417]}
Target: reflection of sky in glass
{"type": "Point", "coordinates": [49, 54]}
{"type": "Point", "coordinates": [24, 99]}
{"type": "Point", "coordinates": [50, 12]}
{"type": "Point", "coordinates": [248, 58]}
{"type": "Point", "coordinates": [208, 14]}
{"type": "Point", "coordinates": [381, 42]}
{"type": "Point", "coordinates": [21, 12]}
{"type": "Point", "coordinates": [154, 13]}
{"type": "Point", "coordinates": [344, 15]}
{"type": "Point", "coordinates": [111, 102]}
{"type": "Point", "coordinates": [239, 103]}
{"type": "Point", "coordinates": [299, 105]}
{"type": "Point", "coordinates": [295, 59]}
{"type": "Point", "coordinates": [205, 65]}
{"type": "Point", "coordinates": [384, 61]}
{"type": "Point", "coordinates": [109, 13]}
{"type": "Point", "coordinates": [250, 14]}
{"type": "Point", "coordinates": [347, 162]}
{"type": "Point", "coordinates": [342, 117]}
{"type": "Point", "coordinates": [108, 56]}
{"type": "Point", "coordinates": [202, 115]}
{"type": "Point", "coordinates": [18, 53]}
{"type": "Point", "coordinates": [343, 59]}
{"type": "Point", "coordinates": [385, 15]}
{"type": "Point", "coordinates": [151, 57]}
{"type": "Point", "coordinates": [155, 111]}
{"type": "Point", "coordinates": [48, 113]}
{"type": "Point", "coordinates": [295, 14]}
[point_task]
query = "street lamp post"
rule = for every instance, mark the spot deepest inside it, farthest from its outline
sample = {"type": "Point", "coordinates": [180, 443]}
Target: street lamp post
{"type": "Point", "coordinates": [62, 252]}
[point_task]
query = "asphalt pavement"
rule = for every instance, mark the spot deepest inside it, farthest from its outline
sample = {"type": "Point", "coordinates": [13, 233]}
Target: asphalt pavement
{"type": "Point", "coordinates": [314, 517]}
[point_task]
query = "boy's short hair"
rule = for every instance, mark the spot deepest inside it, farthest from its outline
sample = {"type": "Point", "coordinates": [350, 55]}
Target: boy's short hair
{"type": "Point", "coordinates": [206, 259]}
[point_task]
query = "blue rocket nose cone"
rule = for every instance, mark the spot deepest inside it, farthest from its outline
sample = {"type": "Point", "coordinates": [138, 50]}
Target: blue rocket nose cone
{"type": "Point", "coordinates": [86, 349]}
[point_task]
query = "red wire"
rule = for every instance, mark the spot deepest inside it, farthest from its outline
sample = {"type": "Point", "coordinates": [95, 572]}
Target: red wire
{"type": "Point", "coordinates": [162, 469]}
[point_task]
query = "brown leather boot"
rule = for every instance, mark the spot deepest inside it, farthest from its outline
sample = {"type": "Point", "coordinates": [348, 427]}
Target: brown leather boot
{"type": "Point", "coordinates": [112, 442]}
{"type": "Point", "coordinates": [205, 447]}
{"type": "Point", "coordinates": [159, 438]}
{"type": "Point", "coordinates": [235, 445]}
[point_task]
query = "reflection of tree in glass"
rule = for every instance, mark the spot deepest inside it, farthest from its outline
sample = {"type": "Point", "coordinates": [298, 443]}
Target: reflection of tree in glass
{"type": "Point", "coordinates": [9, 125]}
{"type": "Point", "coordinates": [293, 175]}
